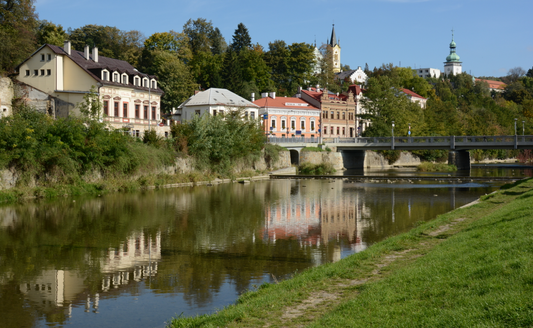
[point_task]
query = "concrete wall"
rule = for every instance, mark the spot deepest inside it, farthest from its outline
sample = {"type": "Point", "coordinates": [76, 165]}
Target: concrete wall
{"type": "Point", "coordinates": [316, 158]}
{"type": "Point", "coordinates": [6, 96]}
{"type": "Point", "coordinates": [374, 160]}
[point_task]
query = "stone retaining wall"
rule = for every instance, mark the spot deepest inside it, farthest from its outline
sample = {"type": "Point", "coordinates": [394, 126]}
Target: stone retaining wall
{"type": "Point", "coordinates": [316, 158]}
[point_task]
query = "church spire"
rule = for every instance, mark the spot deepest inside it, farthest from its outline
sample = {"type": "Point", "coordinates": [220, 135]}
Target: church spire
{"type": "Point", "coordinates": [333, 40]}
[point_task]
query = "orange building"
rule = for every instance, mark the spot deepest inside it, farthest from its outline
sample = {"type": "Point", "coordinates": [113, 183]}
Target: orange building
{"type": "Point", "coordinates": [288, 117]}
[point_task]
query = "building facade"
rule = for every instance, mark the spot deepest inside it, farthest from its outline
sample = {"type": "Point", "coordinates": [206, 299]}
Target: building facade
{"type": "Point", "coordinates": [131, 100]}
{"type": "Point", "coordinates": [288, 117]}
{"type": "Point", "coordinates": [214, 101]}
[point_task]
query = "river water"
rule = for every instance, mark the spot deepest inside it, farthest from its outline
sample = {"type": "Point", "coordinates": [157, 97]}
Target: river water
{"type": "Point", "coordinates": [139, 259]}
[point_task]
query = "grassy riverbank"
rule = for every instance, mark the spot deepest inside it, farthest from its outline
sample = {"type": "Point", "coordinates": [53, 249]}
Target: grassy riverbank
{"type": "Point", "coordinates": [470, 267]}
{"type": "Point", "coordinates": [436, 167]}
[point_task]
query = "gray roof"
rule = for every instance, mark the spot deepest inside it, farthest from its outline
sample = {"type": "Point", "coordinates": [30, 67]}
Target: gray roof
{"type": "Point", "coordinates": [217, 97]}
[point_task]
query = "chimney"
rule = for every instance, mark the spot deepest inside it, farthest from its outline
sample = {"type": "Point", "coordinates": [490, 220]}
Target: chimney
{"type": "Point", "coordinates": [86, 52]}
{"type": "Point", "coordinates": [273, 95]}
{"type": "Point", "coordinates": [66, 47]}
{"type": "Point", "coordinates": [95, 54]}
{"type": "Point", "coordinates": [253, 97]}
{"type": "Point", "coordinates": [264, 94]}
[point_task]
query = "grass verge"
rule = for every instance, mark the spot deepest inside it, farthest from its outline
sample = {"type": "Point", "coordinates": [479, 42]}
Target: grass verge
{"type": "Point", "coordinates": [472, 267]}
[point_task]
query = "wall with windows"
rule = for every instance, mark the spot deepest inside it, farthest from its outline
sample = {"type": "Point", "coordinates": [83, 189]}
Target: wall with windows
{"type": "Point", "coordinates": [40, 71]}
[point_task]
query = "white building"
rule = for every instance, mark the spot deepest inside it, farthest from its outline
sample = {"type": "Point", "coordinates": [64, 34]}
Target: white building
{"type": "Point", "coordinates": [355, 75]}
{"type": "Point", "coordinates": [453, 66]}
{"type": "Point", "coordinates": [428, 72]}
{"type": "Point", "coordinates": [214, 102]}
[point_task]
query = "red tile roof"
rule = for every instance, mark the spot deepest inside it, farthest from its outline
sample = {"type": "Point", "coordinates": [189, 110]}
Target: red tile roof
{"type": "Point", "coordinates": [412, 94]}
{"type": "Point", "coordinates": [494, 84]}
{"type": "Point", "coordinates": [284, 102]}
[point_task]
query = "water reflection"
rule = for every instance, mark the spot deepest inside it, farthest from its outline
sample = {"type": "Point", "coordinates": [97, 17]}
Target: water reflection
{"type": "Point", "coordinates": [146, 257]}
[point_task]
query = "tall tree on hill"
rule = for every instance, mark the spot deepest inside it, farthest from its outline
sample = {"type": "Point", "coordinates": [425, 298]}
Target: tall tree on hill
{"type": "Point", "coordinates": [241, 39]}
{"type": "Point", "coordinates": [18, 21]}
{"type": "Point", "coordinates": [207, 46]}
{"type": "Point", "coordinates": [244, 70]}
{"type": "Point", "coordinates": [50, 33]}
{"type": "Point", "coordinates": [277, 59]}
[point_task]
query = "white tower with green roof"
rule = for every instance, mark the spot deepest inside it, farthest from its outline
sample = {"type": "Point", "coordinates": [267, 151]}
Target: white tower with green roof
{"type": "Point", "coordinates": [453, 64]}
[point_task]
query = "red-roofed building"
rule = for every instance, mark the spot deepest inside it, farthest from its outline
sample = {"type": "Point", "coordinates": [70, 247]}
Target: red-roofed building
{"type": "Point", "coordinates": [288, 116]}
{"type": "Point", "coordinates": [338, 111]}
{"type": "Point", "coordinates": [494, 85]}
{"type": "Point", "coordinates": [416, 98]}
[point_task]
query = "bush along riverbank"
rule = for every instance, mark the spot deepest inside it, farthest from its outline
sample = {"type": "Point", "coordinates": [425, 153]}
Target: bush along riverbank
{"type": "Point", "coordinates": [470, 267]}
{"type": "Point", "coordinates": [436, 167]}
{"type": "Point", "coordinates": [43, 157]}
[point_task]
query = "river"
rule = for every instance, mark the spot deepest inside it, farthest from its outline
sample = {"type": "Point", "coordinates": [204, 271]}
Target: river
{"type": "Point", "coordinates": [139, 259]}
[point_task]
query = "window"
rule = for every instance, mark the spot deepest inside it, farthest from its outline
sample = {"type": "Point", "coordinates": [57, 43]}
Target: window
{"type": "Point", "coordinates": [115, 77]}
{"type": "Point", "coordinates": [197, 112]}
{"type": "Point", "coordinates": [137, 111]}
{"type": "Point", "coordinates": [332, 115]}
{"type": "Point", "coordinates": [145, 82]}
{"type": "Point", "coordinates": [252, 115]}
{"type": "Point", "coordinates": [27, 72]}
{"type": "Point", "coordinates": [125, 109]}
{"type": "Point", "coordinates": [153, 84]}
{"type": "Point", "coordinates": [35, 72]}
{"type": "Point", "coordinates": [106, 108]}
{"type": "Point", "coordinates": [343, 131]}
{"type": "Point", "coordinates": [116, 109]}
{"type": "Point", "coordinates": [325, 130]}
{"type": "Point", "coordinates": [48, 72]}
{"type": "Point", "coordinates": [283, 124]}
{"type": "Point", "coordinates": [136, 81]}
{"type": "Point", "coordinates": [338, 115]}
{"type": "Point", "coordinates": [338, 130]}
{"type": "Point", "coordinates": [273, 123]}
{"type": "Point", "coordinates": [105, 75]}
{"type": "Point", "coordinates": [153, 113]}
{"type": "Point", "coordinates": [331, 130]}
{"type": "Point", "coordinates": [293, 124]}
{"type": "Point", "coordinates": [49, 57]}
{"type": "Point", "coordinates": [312, 125]}
{"type": "Point", "coordinates": [125, 79]}
{"type": "Point", "coordinates": [343, 115]}
{"type": "Point", "coordinates": [302, 125]}
{"type": "Point", "coordinates": [42, 57]}
{"type": "Point", "coordinates": [42, 72]}
{"type": "Point", "coordinates": [145, 112]}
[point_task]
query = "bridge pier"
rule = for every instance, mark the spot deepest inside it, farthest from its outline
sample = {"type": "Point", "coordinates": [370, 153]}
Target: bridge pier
{"type": "Point", "coordinates": [353, 159]}
{"type": "Point", "coordinates": [459, 158]}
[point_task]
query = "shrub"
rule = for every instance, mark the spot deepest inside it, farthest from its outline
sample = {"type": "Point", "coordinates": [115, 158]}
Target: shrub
{"type": "Point", "coordinates": [316, 169]}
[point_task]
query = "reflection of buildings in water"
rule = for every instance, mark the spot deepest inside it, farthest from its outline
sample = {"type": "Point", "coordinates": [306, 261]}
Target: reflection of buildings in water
{"type": "Point", "coordinates": [315, 218]}
{"type": "Point", "coordinates": [134, 260]}
{"type": "Point", "coordinates": [8, 217]}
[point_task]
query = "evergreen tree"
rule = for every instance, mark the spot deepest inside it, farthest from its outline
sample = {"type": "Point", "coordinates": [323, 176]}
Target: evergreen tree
{"type": "Point", "coordinates": [241, 39]}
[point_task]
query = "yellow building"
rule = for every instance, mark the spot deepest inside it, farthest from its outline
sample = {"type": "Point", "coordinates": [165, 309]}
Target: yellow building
{"type": "Point", "coordinates": [131, 100]}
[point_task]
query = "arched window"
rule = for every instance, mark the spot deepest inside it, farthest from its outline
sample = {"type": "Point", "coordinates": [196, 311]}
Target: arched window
{"type": "Point", "coordinates": [125, 79]}
{"type": "Point", "coordinates": [105, 75]}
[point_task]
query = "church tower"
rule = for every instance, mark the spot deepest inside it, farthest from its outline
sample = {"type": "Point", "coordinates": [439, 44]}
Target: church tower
{"type": "Point", "coordinates": [335, 49]}
{"type": "Point", "coordinates": [452, 66]}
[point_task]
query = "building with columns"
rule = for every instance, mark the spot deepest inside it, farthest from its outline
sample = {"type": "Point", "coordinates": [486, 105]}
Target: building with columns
{"type": "Point", "coordinates": [131, 100]}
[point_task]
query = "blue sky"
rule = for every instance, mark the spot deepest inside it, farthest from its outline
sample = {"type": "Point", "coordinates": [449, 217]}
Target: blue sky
{"type": "Point", "coordinates": [492, 36]}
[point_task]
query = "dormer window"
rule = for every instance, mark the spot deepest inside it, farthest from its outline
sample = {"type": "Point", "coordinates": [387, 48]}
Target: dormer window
{"type": "Point", "coordinates": [105, 75]}
{"type": "Point", "coordinates": [137, 81]}
{"type": "Point", "coordinates": [115, 77]}
{"type": "Point", "coordinates": [145, 82]}
{"type": "Point", "coordinates": [154, 84]}
{"type": "Point", "coordinates": [125, 79]}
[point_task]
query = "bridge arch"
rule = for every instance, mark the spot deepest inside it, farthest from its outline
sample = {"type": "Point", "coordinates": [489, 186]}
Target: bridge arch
{"type": "Point", "coordinates": [295, 156]}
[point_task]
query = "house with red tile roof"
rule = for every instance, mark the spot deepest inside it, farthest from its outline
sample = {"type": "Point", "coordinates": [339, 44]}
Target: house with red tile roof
{"type": "Point", "coordinates": [497, 86]}
{"type": "Point", "coordinates": [288, 116]}
{"type": "Point", "coordinates": [416, 98]}
{"type": "Point", "coordinates": [131, 100]}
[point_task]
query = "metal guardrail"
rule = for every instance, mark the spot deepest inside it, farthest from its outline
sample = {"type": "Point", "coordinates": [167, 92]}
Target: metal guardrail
{"type": "Point", "coordinates": [446, 142]}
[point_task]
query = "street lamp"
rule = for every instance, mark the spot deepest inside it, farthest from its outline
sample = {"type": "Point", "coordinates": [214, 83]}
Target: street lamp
{"type": "Point", "coordinates": [523, 122]}
{"type": "Point", "coordinates": [515, 126]}
{"type": "Point", "coordinates": [409, 133]}
{"type": "Point", "coordinates": [392, 135]}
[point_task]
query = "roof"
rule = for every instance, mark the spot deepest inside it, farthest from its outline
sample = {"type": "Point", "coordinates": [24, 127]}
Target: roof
{"type": "Point", "coordinates": [217, 97]}
{"type": "Point", "coordinates": [284, 102]}
{"type": "Point", "coordinates": [412, 94]}
{"type": "Point", "coordinates": [93, 68]}
{"type": "Point", "coordinates": [355, 89]}
{"type": "Point", "coordinates": [494, 84]}
{"type": "Point", "coordinates": [333, 41]}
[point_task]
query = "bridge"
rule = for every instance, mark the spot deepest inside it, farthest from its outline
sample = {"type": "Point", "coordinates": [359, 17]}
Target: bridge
{"type": "Point", "coordinates": [353, 149]}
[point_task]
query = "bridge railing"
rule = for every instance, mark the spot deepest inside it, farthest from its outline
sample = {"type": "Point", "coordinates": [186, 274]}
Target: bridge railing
{"type": "Point", "coordinates": [278, 140]}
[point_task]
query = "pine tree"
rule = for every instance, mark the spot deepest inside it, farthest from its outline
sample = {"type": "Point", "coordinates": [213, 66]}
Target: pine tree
{"type": "Point", "coordinates": [241, 39]}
